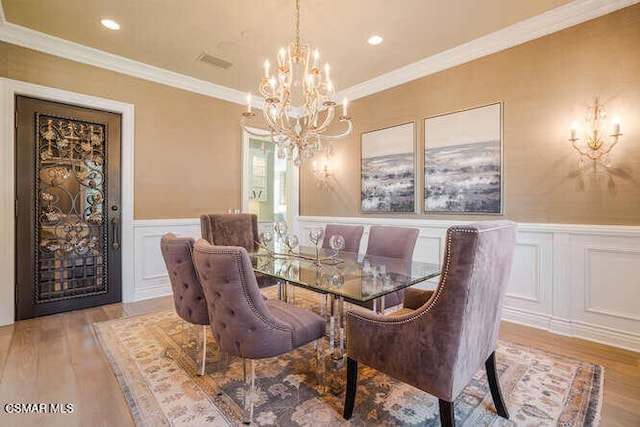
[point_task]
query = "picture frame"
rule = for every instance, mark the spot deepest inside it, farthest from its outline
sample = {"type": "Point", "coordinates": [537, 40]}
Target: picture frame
{"type": "Point", "coordinates": [463, 161]}
{"type": "Point", "coordinates": [388, 170]}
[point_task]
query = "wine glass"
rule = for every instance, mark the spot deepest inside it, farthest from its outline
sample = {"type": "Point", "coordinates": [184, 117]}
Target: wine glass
{"type": "Point", "coordinates": [281, 230]}
{"type": "Point", "coordinates": [315, 236]}
{"type": "Point", "coordinates": [266, 237]}
{"type": "Point", "coordinates": [336, 242]}
{"type": "Point", "coordinates": [291, 241]}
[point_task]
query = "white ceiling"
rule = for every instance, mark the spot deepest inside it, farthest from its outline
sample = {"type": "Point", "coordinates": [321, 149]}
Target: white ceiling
{"type": "Point", "coordinates": [170, 34]}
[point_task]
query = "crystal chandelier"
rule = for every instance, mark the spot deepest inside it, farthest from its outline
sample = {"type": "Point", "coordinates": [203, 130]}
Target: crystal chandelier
{"type": "Point", "coordinates": [298, 102]}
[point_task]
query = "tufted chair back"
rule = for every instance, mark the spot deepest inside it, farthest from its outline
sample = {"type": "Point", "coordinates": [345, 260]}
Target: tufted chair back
{"type": "Point", "coordinates": [231, 230]}
{"type": "Point", "coordinates": [243, 323]}
{"type": "Point", "coordinates": [188, 297]}
{"type": "Point", "coordinates": [352, 235]}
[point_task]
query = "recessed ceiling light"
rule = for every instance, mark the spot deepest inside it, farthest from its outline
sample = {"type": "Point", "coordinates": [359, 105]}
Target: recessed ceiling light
{"type": "Point", "coordinates": [374, 40]}
{"type": "Point", "coordinates": [110, 24]}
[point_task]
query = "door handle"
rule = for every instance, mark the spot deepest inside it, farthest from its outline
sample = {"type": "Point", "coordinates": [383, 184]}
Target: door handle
{"type": "Point", "coordinates": [115, 230]}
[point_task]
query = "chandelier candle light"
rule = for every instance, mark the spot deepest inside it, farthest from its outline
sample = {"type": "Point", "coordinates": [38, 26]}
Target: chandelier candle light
{"type": "Point", "coordinates": [298, 102]}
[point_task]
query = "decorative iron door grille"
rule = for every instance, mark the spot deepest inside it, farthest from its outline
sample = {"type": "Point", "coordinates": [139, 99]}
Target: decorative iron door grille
{"type": "Point", "coordinates": [69, 201]}
{"type": "Point", "coordinates": [68, 211]}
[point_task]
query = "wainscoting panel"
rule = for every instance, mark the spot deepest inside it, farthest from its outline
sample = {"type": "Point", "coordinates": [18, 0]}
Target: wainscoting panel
{"type": "Point", "coordinates": [577, 280]}
{"type": "Point", "coordinates": [151, 279]}
{"type": "Point", "coordinates": [531, 285]}
{"type": "Point", "coordinates": [606, 282]}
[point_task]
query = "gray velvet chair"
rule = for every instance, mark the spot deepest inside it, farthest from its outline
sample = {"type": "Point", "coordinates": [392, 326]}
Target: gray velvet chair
{"type": "Point", "coordinates": [234, 230]}
{"type": "Point", "coordinates": [231, 230]}
{"type": "Point", "coordinates": [188, 297]}
{"type": "Point", "coordinates": [441, 338]}
{"type": "Point", "coordinates": [242, 322]}
{"type": "Point", "coordinates": [390, 242]}
{"type": "Point", "coordinates": [352, 235]}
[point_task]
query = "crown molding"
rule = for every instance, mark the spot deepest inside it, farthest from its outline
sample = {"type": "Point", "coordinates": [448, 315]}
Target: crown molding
{"type": "Point", "coordinates": [538, 26]}
{"type": "Point", "coordinates": [549, 22]}
{"type": "Point", "coordinates": [35, 40]}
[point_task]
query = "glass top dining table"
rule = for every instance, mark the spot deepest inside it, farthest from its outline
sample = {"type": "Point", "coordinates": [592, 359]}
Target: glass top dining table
{"type": "Point", "coordinates": [343, 277]}
{"type": "Point", "coordinates": [353, 276]}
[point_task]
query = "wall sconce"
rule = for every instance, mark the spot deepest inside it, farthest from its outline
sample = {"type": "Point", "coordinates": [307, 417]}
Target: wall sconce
{"type": "Point", "coordinates": [596, 143]}
{"type": "Point", "coordinates": [322, 173]}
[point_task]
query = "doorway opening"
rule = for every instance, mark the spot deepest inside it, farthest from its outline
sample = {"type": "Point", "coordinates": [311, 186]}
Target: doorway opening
{"type": "Point", "coordinates": [270, 184]}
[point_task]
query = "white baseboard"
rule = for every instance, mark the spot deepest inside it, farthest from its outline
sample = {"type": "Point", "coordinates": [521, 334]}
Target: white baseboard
{"type": "Point", "coordinates": [568, 328]}
{"type": "Point", "coordinates": [527, 318]}
{"type": "Point", "coordinates": [160, 290]}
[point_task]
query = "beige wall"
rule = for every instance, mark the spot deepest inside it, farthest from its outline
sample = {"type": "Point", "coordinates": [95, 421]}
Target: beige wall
{"type": "Point", "coordinates": [187, 146]}
{"type": "Point", "coordinates": [545, 85]}
{"type": "Point", "coordinates": [3, 60]}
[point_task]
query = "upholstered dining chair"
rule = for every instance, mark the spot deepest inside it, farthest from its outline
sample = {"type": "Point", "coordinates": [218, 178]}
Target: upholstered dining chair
{"type": "Point", "coordinates": [234, 230]}
{"type": "Point", "coordinates": [352, 235]}
{"type": "Point", "coordinates": [231, 230]}
{"type": "Point", "coordinates": [442, 337]}
{"type": "Point", "coordinates": [242, 322]}
{"type": "Point", "coordinates": [390, 242]}
{"type": "Point", "coordinates": [188, 297]}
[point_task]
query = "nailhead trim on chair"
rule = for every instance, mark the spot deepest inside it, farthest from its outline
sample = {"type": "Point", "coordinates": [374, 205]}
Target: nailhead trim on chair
{"type": "Point", "coordinates": [411, 317]}
{"type": "Point", "coordinates": [246, 294]}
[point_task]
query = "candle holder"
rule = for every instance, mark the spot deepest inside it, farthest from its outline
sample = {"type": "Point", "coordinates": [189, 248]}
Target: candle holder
{"type": "Point", "coordinates": [596, 143]}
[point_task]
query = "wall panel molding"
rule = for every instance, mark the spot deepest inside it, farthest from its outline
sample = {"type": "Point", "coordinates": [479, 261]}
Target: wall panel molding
{"type": "Point", "coordinates": [534, 261]}
{"type": "Point", "coordinates": [611, 285]}
{"type": "Point", "coordinates": [552, 275]}
{"type": "Point", "coordinates": [547, 250]}
{"type": "Point", "coordinates": [151, 278]}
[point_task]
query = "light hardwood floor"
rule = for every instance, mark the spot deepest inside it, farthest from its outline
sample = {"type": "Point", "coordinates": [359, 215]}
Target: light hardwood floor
{"type": "Point", "coordinates": [56, 359]}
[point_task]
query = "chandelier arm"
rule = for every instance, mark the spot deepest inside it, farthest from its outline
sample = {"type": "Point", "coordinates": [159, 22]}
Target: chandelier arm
{"type": "Point", "coordinates": [264, 88]}
{"type": "Point", "coordinates": [275, 139]}
{"type": "Point", "coordinates": [297, 23]}
{"type": "Point", "coordinates": [342, 135]}
{"type": "Point", "coordinates": [327, 120]}
{"type": "Point", "coordinates": [271, 121]}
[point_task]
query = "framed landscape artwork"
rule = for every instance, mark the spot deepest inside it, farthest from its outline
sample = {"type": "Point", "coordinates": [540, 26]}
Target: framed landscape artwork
{"type": "Point", "coordinates": [387, 173]}
{"type": "Point", "coordinates": [463, 161]}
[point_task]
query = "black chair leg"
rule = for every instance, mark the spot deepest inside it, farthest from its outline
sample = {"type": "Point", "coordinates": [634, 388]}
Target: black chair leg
{"type": "Point", "coordinates": [494, 386]}
{"type": "Point", "coordinates": [447, 415]}
{"type": "Point", "coordinates": [352, 384]}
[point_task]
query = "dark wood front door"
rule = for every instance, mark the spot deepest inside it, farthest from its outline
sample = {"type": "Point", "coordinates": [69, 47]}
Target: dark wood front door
{"type": "Point", "coordinates": [67, 208]}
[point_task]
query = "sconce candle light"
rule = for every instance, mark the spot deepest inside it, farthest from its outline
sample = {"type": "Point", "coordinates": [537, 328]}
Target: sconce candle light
{"type": "Point", "coordinates": [596, 143]}
{"type": "Point", "coordinates": [323, 173]}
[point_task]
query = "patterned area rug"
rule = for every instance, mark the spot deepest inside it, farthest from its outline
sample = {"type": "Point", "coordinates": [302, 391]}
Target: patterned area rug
{"type": "Point", "coordinates": [541, 389]}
